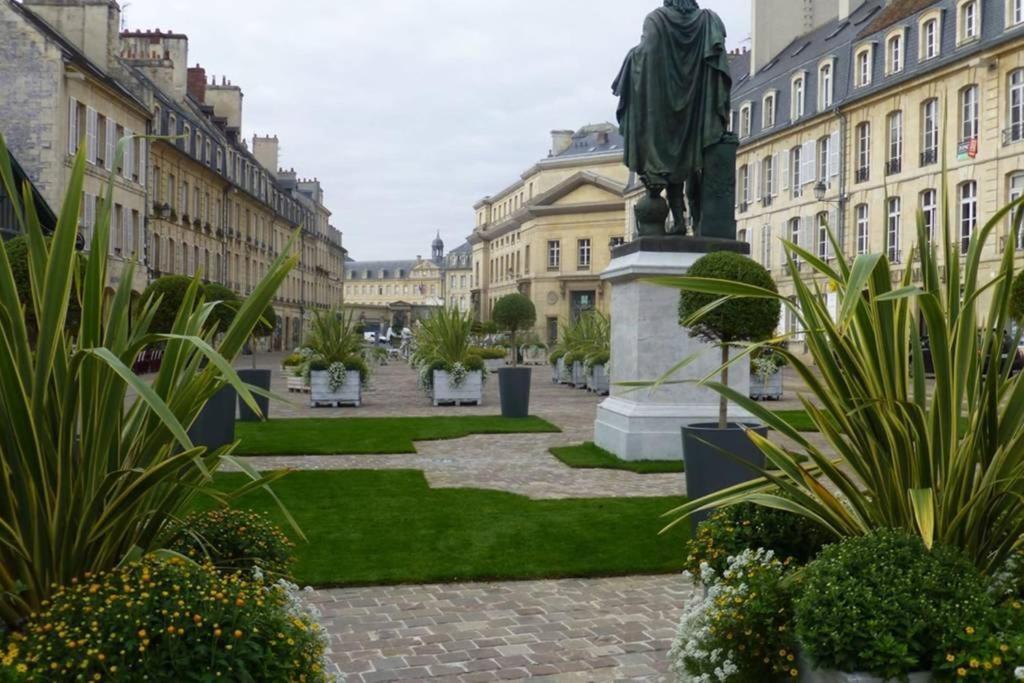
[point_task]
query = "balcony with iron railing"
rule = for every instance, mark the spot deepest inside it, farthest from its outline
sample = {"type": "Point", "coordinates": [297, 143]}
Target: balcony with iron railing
{"type": "Point", "coordinates": [930, 156]}
{"type": "Point", "coordinates": [863, 174]}
{"type": "Point", "coordinates": [1013, 134]}
{"type": "Point", "coordinates": [766, 200]}
{"type": "Point", "coordinates": [893, 166]}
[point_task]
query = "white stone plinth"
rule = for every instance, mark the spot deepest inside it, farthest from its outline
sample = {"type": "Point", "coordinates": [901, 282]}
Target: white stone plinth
{"type": "Point", "coordinates": [647, 341]}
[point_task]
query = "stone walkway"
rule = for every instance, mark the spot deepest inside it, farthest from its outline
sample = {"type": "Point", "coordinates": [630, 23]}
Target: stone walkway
{"type": "Point", "coordinates": [569, 630]}
{"type": "Point", "coordinates": [616, 629]}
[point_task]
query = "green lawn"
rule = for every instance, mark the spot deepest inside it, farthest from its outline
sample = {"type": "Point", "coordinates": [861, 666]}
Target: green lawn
{"type": "Point", "coordinates": [383, 527]}
{"type": "Point", "coordinates": [798, 419]}
{"type": "Point", "coordinates": [361, 436]}
{"type": "Point", "coordinates": [590, 456]}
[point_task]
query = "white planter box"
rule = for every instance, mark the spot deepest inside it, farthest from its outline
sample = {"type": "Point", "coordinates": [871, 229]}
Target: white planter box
{"type": "Point", "coordinates": [349, 393]}
{"type": "Point", "coordinates": [470, 391]}
{"type": "Point", "coordinates": [766, 389]}
{"type": "Point", "coordinates": [296, 382]}
{"type": "Point", "coordinates": [579, 375]}
{"type": "Point", "coordinates": [597, 380]}
{"type": "Point", "coordinates": [811, 675]}
{"type": "Point", "coordinates": [492, 364]}
{"type": "Point", "coordinates": [556, 372]}
{"type": "Point", "coordinates": [535, 355]}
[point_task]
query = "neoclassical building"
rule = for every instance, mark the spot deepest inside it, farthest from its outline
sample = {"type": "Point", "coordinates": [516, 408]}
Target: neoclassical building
{"type": "Point", "coordinates": [549, 233]}
{"type": "Point", "coordinates": [858, 123]}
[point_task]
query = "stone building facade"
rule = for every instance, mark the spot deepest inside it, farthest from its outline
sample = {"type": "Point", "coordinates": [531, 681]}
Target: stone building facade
{"type": "Point", "coordinates": [458, 277]}
{"type": "Point", "coordinates": [200, 203]}
{"type": "Point", "coordinates": [859, 125]}
{"type": "Point", "coordinates": [549, 234]}
{"type": "Point", "coordinates": [62, 87]}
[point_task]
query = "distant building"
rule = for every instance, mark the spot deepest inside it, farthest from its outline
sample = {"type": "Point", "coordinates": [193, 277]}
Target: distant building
{"type": "Point", "coordinates": [549, 234]}
{"type": "Point", "coordinates": [458, 277]}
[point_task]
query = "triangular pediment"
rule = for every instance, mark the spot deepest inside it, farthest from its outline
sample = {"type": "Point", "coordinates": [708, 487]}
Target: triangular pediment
{"type": "Point", "coordinates": [583, 188]}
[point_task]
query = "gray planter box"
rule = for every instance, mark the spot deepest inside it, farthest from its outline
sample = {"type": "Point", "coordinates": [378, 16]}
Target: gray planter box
{"type": "Point", "coordinates": [320, 394]}
{"type": "Point", "coordinates": [766, 389]}
{"type": "Point", "coordinates": [598, 381]}
{"type": "Point", "coordinates": [579, 375]}
{"type": "Point", "coordinates": [808, 674]}
{"type": "Point", "coordinates": [556, 372]}
{"type": "Point", "coordinates": [470, 391]}
{"type": "Point", "coordinates": [564, 372]}
{"type": "Point", "coordinates": [494, 364]}
{"type": "Point", "coordinates": [535, 355]}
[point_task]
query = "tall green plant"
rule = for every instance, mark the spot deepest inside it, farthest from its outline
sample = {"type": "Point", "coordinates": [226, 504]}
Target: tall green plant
{"type": "Point", "coordinates": [515, 313]}
{"type": "Point", "coordinates": [444, 337]}
{"type": "Point", "coordinates": [947, 464]}
{"type": "Point", "coordinates": [94, 461]}
{"type": "Point", "coordinates": [586, 338]}
{"type": "Point", "coordinates": [334, 336]}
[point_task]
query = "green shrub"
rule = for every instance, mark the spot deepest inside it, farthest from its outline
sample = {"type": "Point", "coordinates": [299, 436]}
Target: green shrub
{"type": "Point", "coordinates": [474, 363]}
{"type": "Point", "coordinates": [555, 356]}
{"type": "Point", "coordinates": [319, 365]}
{"type": "Point", "coordinates": [225, 313]}
{"type": "Point", "coordinates": [729, 531]}
{"type": "Point", "coordinates": [514, 313]}
{"type": "Point", "coordinates": [598, 358]}
{"type": "Point", "coordinates": [358, 364]}
{"type": "Point", "coordinates": [741, 628]}
{"type": "Point", "coordinates": [886, 605]}
{"type": "Point", "coordinates": [987, 650]}
{"type": "Point", "coordinates": [1017, 299]}
{"type": "Point", "coordinates": [172, 621]}
{"type": "Point", "coordinates": [232, 540]}
{"type": "Point", "coordinates": [17, 254]}
{"type": "Point", "coordinates": [489, 353]}
{"type": "Point", "coordinates": [293, 360]}
{"type": "Point", "coordinates": [171, 290]}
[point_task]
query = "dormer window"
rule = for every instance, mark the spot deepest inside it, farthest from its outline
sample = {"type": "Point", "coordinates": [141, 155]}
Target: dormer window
{"type": "Point", "coordinates": [863, 67]}
{"type": "Point", "coordinates": [826, 88]}
{"type": "Point", "coordinates": [930, 38]}
{"type": "Point", "coordinates": [768, 110]}
{"type": "Point", "coordinates": [797, 99]}
{"type": "Point", "coordinates": [894, 53]}
{"type": "Point", "coordinates": [968, 20]}
{"type": "Point", "coordinates": [1015, 13]}
{"type": "Point", "coordinates": [745, 115]}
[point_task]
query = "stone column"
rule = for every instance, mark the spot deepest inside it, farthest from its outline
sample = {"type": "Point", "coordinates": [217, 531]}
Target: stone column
{"type": "Point", "coordinates": [647, 340]}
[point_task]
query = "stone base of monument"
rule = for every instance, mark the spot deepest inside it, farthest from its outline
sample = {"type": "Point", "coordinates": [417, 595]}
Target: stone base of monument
{"type": "Point", "coordinates": [647, 341]}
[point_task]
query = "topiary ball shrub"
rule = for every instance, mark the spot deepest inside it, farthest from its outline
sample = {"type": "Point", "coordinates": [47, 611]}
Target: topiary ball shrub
{"type": "Point", "coordinates": [266, 324]}
{"type": "Point", "coordinates": [885, 605]}
{"type": "Point", "coordinates": [737, 320]}
{"type": "Point", "coordinates": [514, 312]}
{"type": "Point", "coordinates": [233, 540]}
{"type": "Point", "coordinates": [172, 621]}
{"type": "Point", "coordinates": [225, 313]}
{"type": "Point", "coordinates": [171, 289]}
{"type": "Point", "coordinates": [729, 531]}
{"type": "Point", "coordinates": [1017, 299]}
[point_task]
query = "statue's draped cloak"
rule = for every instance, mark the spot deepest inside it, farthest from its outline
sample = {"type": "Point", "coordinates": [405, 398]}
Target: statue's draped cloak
{"type": "Point", "coordinates": [674, 91]}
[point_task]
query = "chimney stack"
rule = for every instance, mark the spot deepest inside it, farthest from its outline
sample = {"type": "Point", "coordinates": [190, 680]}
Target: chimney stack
{"type": "Point", "coordinates": [266, 150]}
{"type": "Point", "coordinates": [197, 83]}
{"type": "Point", "coordinates": [93, 26]}
{"type": "Point", "coordinates": [560, 141]}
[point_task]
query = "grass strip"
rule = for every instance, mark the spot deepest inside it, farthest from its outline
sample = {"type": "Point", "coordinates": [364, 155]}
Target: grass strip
{"type": "Point", "coordinates": [371, 435]}
{"type": "Point", "coordinates": [591, 456]}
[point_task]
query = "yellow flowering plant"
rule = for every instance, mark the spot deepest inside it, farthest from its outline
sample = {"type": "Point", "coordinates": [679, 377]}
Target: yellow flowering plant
{"type": "Point", "coordinates": [990, 649]}
{"type": "Point", "coordinates": [232, 540]}
{"type": "Point", "coordinates": [170, 620]}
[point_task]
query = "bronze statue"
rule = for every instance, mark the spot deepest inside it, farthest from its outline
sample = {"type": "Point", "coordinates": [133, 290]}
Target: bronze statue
{"type": "Point", "coordinates": [674, 109]}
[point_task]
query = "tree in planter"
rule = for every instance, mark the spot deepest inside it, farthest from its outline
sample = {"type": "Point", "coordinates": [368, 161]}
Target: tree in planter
{"type": "Point", "coordinates": [514, 313]}
{"type": "Point", "coordinates": [225, 313]}
{"type": "Point", "coordinates": [171, 291]}
{"type": "Point", "coordinates": [734, 320]}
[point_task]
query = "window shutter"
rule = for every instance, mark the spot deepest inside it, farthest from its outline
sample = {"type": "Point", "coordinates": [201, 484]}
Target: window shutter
{"type": "Point", "coordinates": [111, 146]}
{"type": "Point", "coordinates": [833, 155]}
{"type": "Point", "coordinates": [90, 219]}
{"type": "Point", "coordinates": [807, 159]}
{"type": "Point", "coordinates": [91, 122]}
{"type": "Point", "coordinates": [756, 180]}
{"type": "Point", "coordinates": [142, 162]}
{"type": "Point", "coordinates": [774, 189]}
{"type": "Point", "coordinates": [72, 126]}
{"type": "Point", "coordinates": [785, 170]}
{"type": "Point", "coordinates": [807, 240]}
{"type": "Point", "coordinates": [128, 163]}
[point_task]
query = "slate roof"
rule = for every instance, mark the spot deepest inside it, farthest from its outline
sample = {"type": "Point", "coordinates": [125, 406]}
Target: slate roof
{"type": "Point", "coordinates": [47, 218]}
{"type": "Point", "coordinates": [357, 270]}
{"type": "Point", "coordinates": [839, 39]}
{"type": "Point", "coordinates": [596, 138]}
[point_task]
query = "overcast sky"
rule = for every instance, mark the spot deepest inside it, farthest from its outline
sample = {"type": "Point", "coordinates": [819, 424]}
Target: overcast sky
{"type": "Point", "coordinates": [409, 111]}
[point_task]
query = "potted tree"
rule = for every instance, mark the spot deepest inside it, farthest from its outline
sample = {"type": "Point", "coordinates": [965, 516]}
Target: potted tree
{"type": "Point", "coordinates": [256, 377]}
{"type": "Point", "coordinates": [716, 453]}
{"type": "Point", "coordinates": [514, 313]}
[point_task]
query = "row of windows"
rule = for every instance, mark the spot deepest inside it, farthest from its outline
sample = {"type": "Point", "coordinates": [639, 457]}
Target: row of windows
{"type": "Point", "coordinates": [100, 135]}
{"type": "Point", "coordinates": [929, 47]}
{"type": "Point", "coordinates": [813, 233]}
{"type": "Point", "coordinates": [389, 290]}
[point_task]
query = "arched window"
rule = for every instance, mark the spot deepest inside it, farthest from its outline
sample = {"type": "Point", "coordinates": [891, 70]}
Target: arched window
{"type": "Point", "coordinates": [930, 39]}
{"type": "Point", "coordinates": [825, 89]}
{"type": "Point", "coordinates": [894, 54]}
{"type": "Point", "coordinates": [1015, 132]}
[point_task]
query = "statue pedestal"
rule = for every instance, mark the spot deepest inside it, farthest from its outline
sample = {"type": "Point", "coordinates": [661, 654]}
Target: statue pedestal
{"type": "Point", "coordinates": [645, 424]}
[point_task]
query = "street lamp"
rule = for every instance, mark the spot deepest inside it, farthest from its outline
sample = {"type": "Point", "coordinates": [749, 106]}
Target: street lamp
{"type": "Point", "coordinates": [819, 191]}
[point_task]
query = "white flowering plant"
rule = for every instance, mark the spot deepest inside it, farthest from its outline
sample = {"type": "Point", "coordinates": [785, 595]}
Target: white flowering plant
{"type": "Point", "coordinates": [741, 629]}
